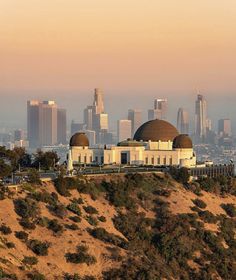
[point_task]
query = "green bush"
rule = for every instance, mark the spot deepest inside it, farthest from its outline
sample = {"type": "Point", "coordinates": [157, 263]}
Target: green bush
{"type": "Point", "coordinates": [73, 207]}
{"type": "Point", "coordinates": [22, 235]}
{"type": "Point", "coordinates": [72, 227]}
{"type": "Point", "coordinates": [229, 209]}
{"type": "Point", "coordinates": [102, 219]}
{"type": "Point", "coordinates": [90, 210]}
{"type": "Point", "coordinates": [27, 224]}
{"type": "Point", "coordinates": [26, 208]}
{"type": "Point", "coordinates": [10, 245]}
{"type": "Point", "coordinates": [5, 229]}
{"type": "Point", "coordinates": [81, 256]}
{"type": "Point", "coordinates": [30, 260]}
{"type": "Point", "coordinates": [36, 276]}
{"type": "Point", "coordinates": [207, 217]}
{"type": "Point", "coordinates": [199, 203]}
{"type": "Point", "coordinates": [55, 226]}
{"type": "Point", "coordinates": [38, 247]}
{"type": "Point", "coordinates": [92, 220]}
{"type": "Point", "coordinates": [75, 219]}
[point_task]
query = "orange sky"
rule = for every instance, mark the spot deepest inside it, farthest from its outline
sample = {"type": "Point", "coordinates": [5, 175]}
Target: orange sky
{"type": "Point", "coordinates": [127, 44]}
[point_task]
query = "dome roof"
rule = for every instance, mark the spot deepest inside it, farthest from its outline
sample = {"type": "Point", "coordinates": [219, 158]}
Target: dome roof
{"type": "Point", "coordinates": [182, 141]}
{"type": "Point", "coordinates": [79, 139]}
{"type": "Point", "coordinates": [156, 130]}
{"type": "Point", "coordinates": [130, 143]}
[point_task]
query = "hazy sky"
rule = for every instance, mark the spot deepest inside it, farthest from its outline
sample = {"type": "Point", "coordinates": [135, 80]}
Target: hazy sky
{"type": "Point", "coordinates": [134, 49]}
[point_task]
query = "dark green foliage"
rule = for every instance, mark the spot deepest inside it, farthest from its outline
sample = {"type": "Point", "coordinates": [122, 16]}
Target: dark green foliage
{"type": "Point", "coordinates": [55, 226]}
{"type": "Point", "coordinates": [36, 276]}
{"type": "Point", "coordinates": [45, 197]}
{"type": "Point", "coordinates": [26, 208]}
{"type": "Point", "coordinates": [73, 207]}
{"type": "Point", "coordinates": [10, 245]}
{"type": "Point", "coordinates": [5, 229]}
{"type": "Point", "coordinates": [229, 209]}
{"type": "Point", "coordinates": [181, 175]}
{"type": "Point", "coordinates": [102, 219]}
{"type": "Point", "coordinates": [22, 235]}
{"type": "Point", "coordinates": [5, 169]}
{"type": "Point", "coordinates": [75, 219]}
{"type": "Point", "coordinates": [81, 256]}
{"type": "Point", "coordinates": [90, 210]}
{"type": "Point", "coordinates": [46, 160]}
{"type": "Point", "coordinates": [30, 260]}
{"type": "Point", "coordinates": [59, 210]}
{"type": "Point", "coordinates": [72, 227]}
{"type": "Point", "coordinates": [102, 234]}
{"type": "Point", "coordinates": [34, 177]}
{"type": "Point", "coordinates": [38, 247]}
{"type": "Point", "coordinates": [27, 224]}
{"type": "Point", "coordinates": [61, 186]}
{"type": "Point", "coordinates": [6, 276]}
{"type": "Point", "coordinates": [92, 220]}
{"type": "Point", "coordinates": [199, 203]}
{"type": "Point", "coordinates": [207, 217]}
{"type": "Point", "coordinates": [76, 276]}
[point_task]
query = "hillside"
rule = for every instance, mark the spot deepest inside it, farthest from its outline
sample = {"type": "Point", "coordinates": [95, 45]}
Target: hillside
{"type": "Point", "coordinates": [119, 227]}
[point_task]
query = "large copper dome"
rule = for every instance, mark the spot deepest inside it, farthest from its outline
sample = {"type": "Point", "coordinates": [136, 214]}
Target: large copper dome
{"type": "Point", "coordinates": [156, 130]}
{"type": "Point", "coordinates": [182, 141]}
{"type": "Point", "coordinates": [79, 139]}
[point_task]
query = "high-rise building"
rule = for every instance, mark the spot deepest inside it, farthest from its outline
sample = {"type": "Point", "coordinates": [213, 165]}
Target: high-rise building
{"type": "Point", "coordinates": [224, 127]}
{"type": "Point", "coordinates": [101, 122]}
{"type": "Point", "coordinates": [19, 135]}
{"type": "Point", "coordinates": [98, 101]}
{"type": "Point", "coordinates": [154, 114]}
{"type": "Point", "coordinates": [42, 123]}
{"type": "Point", "coordinates": [124, 128]}
{"type": "Point", "coordinates": [200, 118]}
{"type": "Point", "coordinates": [76, 127]}
{"type": "Point", "coordinates": [183, 121]}
{"type": "Point", "coordinates": [89, 114]}
{"type": "Point", "coordinates": [135, 116]}
{"type": "Point", "coordinates": [161, 105]}
{"type": "Point", "coordinates": [61, 126]}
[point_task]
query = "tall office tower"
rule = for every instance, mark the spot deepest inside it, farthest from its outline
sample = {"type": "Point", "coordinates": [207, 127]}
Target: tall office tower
{"type": "Point", "coordinates": [34, 123]}
{"type": "Point", "coordinates": [224, 127]}
{"type": "Point", "coordinates": [135, 116]}
{"type": "Point", "coordinates": [19, 135]}
{"type": "Point", "coordinates": [91, 134]}
{"type": "Point", "coordinates": [183, 121]}
{"type": "Point", "coordinates": [154, 114]}
{"type": "Point", "coordinates": [61, 126]}
{"type": "Point", "coordinates": [101, 122]}
{"type": "Point", "coordinates": [98, 101]}
{"type": "Point", "coordinates": [200, 118]}
{"type": "Point", "coordinates": [124, 128]}
{"type": "Point", "coordinates": [89, 113]}
{"type": "Point", "coordinates": [42, 123]}
{"type": "Point", "coordinates": [76, 127]}
{"type": "Point", "coordinates": [49, 123]}
{"type": "Point", "coordinates": [161, 105]}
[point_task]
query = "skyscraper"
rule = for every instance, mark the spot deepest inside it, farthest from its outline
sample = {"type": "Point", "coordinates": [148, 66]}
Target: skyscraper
{"type": "Point", "coordinates": [161, 105]}
{"type": "Point", "coordinates": [19, 135]}
{"type": "Point", "coordinates": [42, 123]}
{"type": "Point", "coordinates": [183, 121]}
{"type": "Point", "coordinates": [224, 127]}
{"type": "Point", "coordinates": [200, 118]}
{"type": "Point", "coordinates": [124, 128]}
{"type": "Point", "coordinates": [135, 116]}
{"type": "Point", "coordinates": [98, 101]}
{"type": "Point", "coordinates": [61, 126]}
{"type": "Point", "coordinates": [154, 114]}
{"type": "Point", "coordinates": [89, 114]}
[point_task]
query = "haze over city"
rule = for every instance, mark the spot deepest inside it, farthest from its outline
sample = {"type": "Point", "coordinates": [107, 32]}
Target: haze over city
{"type": "Point", "coordinates": [134, 50]}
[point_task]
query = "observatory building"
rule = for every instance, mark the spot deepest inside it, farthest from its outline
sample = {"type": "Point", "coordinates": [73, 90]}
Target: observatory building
{"type": "Point", "coordinates": [156, 142]}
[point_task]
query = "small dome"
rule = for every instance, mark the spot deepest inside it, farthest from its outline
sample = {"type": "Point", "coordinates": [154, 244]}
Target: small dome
{"type": "Point", "coordinates": [79, 139]}
{"type": "Point", "coordinates": [182, 141]}
{"type": "Point", "coordinates": [156, 130]}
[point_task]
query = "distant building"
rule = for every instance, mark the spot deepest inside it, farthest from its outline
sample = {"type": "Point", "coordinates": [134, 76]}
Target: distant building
{"type": "Point", "coordinates": [42, 123]}
{"type": "Point", "coordinates": [61, 126]}
{"type": "Point", "coordinates": [19, 135]}
{"type": "Point", "coordinates": [200, 118]}
{"type": "Point", "coordinates": [183, 121]}
{"type": "Point", "coordinates": [224, 127]}
{"type": "Point", "coordinates": [76, 127]}
{"type": "Point", "coordinates": [159, 111]}
{"type": "Point", "coordinates": [135, 116]}
{"type": "Point", "coordinates": [98, 102]}
{"type": "Point", "coordinates": [124, 128]}
{"type": "Point", "coordinates": [89, 114]}
{"type": "Point", "coordinates": [154, 114]}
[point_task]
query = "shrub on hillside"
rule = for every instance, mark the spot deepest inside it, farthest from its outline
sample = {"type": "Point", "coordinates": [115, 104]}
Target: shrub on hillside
{"type": "Point", "coordinates": [72, 227]}
{"type": "Point", "coordinates": [22, 235]}
{"type": "Point", "coordinates": [27, 224]}
{"type": "Point", "coordinates": [7, 276]}
{"type": "Point", "coordinates": [81, 256]}
{"type": "Point", "coordinates": [92, 220]}
{"type": "Point", "coordinates": [5, 229]}
{"type": "Point", "coordinates": [199, 203]}
{"type": "Point", "coordinates": [38, 247]}
{"type": "Point", "coordinates": [207, 217]}
{"type": "Point", "coordinates": [55, 226]}
{"type": "Point", "coordinates": [102, 219]}
{"type": "Point", "coordinates": [36, 276]}
{"type": "Point", "coordinates": [229, 209]}
{"type": "Point", "coordinates": [26, 208]}
{"type": "Point", "coordinates": [90, 210]}
{"type": "Point", "coordinates": [75, 219]}
{"type": "Point", "coordinates": [73, 207]}
{"type": "Point", "coordinates": [59, 210]}
{"type": "Point", "coordinates": [30, 260]}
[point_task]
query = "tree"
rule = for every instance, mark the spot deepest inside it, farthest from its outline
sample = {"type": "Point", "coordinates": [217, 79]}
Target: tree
{"type": "Point", "coordinates": [34, 177]}
{"type": "Point", "coordinates": [5, 169]}
{"type": "Point", "coordinates": [46, 160]}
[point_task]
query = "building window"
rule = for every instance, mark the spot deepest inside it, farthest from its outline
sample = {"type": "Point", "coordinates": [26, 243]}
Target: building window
{"type": "Point", "coordinates": [152, 160]}
{"type": "Point", "coordinates": [85, 159]}
{"type": "Point", "coordinates": [158, 160]}
{"type": "Point", "coordinates": [96, 159]}
{"type": "Point", "coordinates": [171, 161]}
{"type": "Point", "coordinates": [146, 160]}
{"type": "Point", "coordinates": [79, 159]}
{"type": "Point", "coordinates": [164, 161]}
{"type": "Point", "coordinates": [91, 159]}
